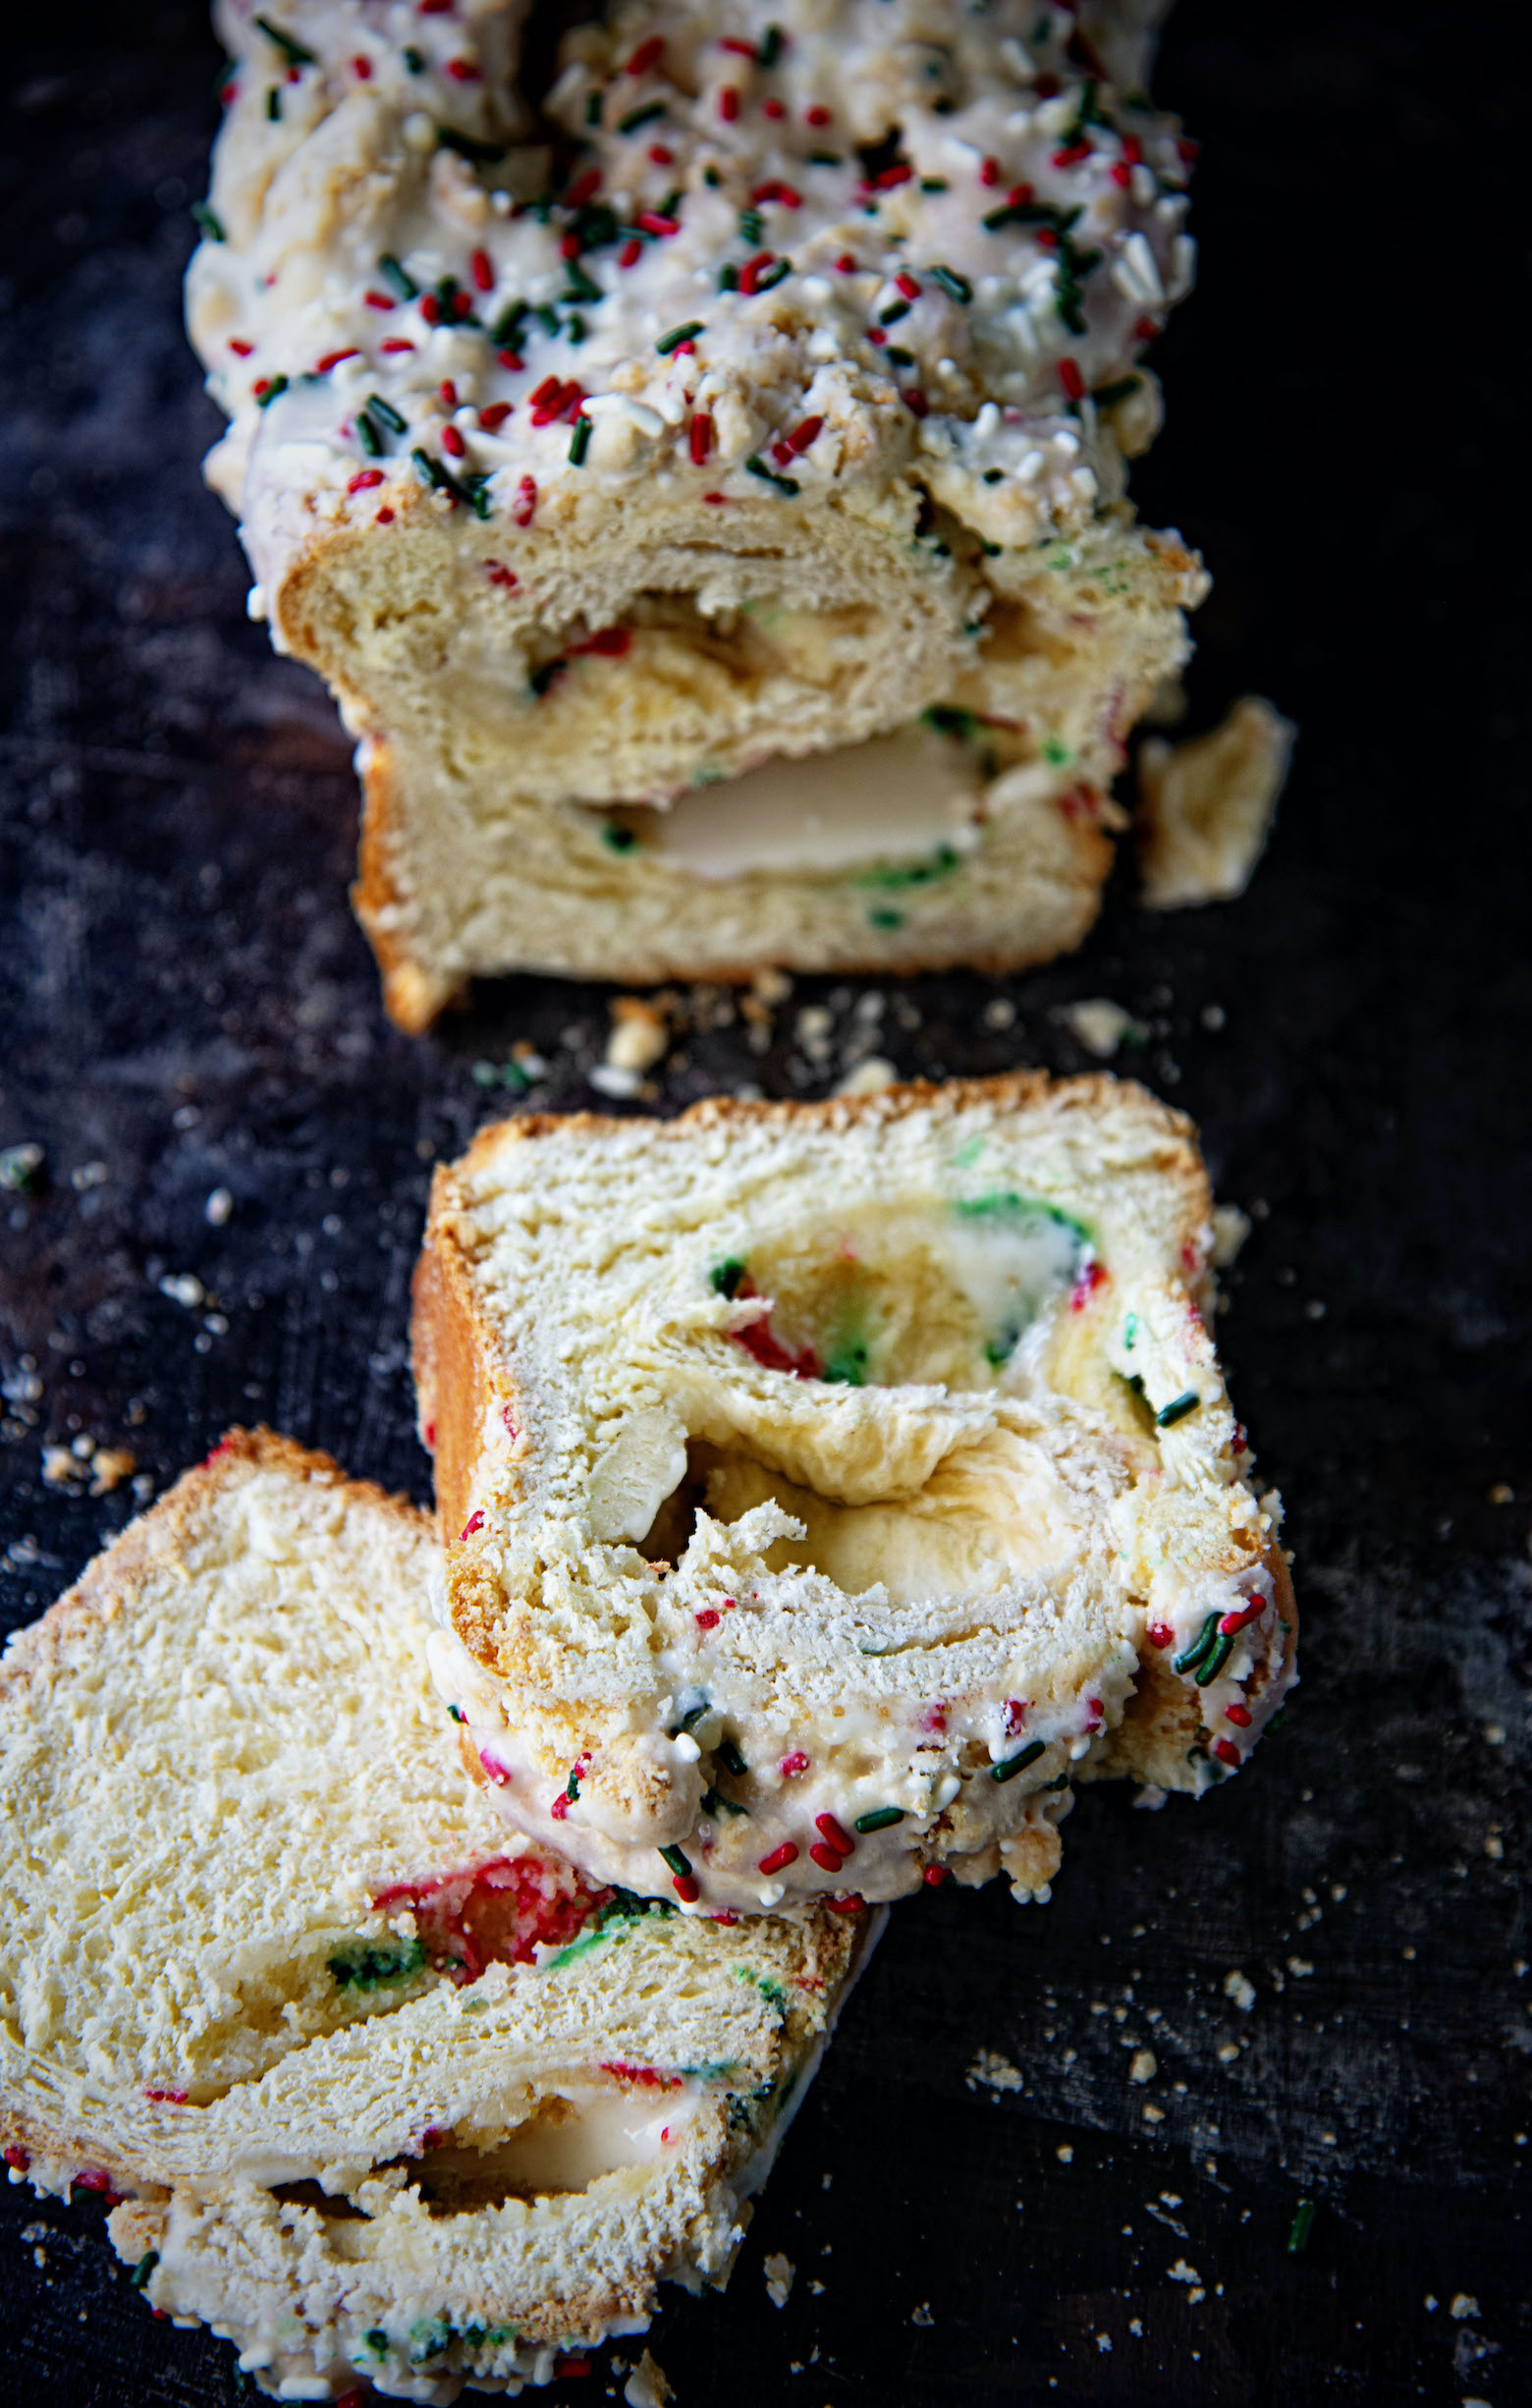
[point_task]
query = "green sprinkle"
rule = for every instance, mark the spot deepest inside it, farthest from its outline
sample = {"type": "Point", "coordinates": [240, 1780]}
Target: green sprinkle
{"type": "Point", "coordinates": [414, 59]}
{"type": "Point", "coordinates": [1014, 1765]}
{"type": "Point", "coordinates": [1061, 1782]}
{"type": "Point", "coordinates": [679, 1864]}
{"type": "Point", "coordinates": [881, 1819]}
{"type": "Point", "coordinates": [1022, 213]}
{"type": "Point", "coordinates": [274, 105]}
{"type": "Point", "coordinates": [774, 275]}
{"type": "Point", "coordinates": [294, 52]}
{"type": "Point", "coordinates": [1275, 1721]}
{"type": "Point", "coordinates": [582, 288]}
{"type": "Point", "coordinates": [948, 718]}
{"type": "Point", "coordinates": [726, 1277]}
{"type": "Point", "coordinates": [618, 838]}
{"type": "Point", "coordinates": [542, 678]}
{"type": "Point", "coordinates": [1302, 2225]}
{"type": "Point", "coordinates": [366, 1967]}
{"type": "Point", "coordinates": [397, 277]}
{"type": "Point", "coordinates": [825, 158]}
{"type": "Point", "coordinates": [278, 385]}
{"type": "Point", "coordinates": [1131, 1332]}
{"type": "Point", "coordinates": [593, 102]}
{"type": "Point", "coordinates": [211, 226]}
{"type": "Point", "coordinates": [906, 360]}
{"type": "Point", "coordinates": [1177, 1409]}
{"type": "Point", "coordinates": [646, 116]}
{"type": "Point", "coordinates": [933, 183]}
{"type": "Point", "coordinates": [1106, 395]}
{"type": "Point", "coordinates": [481, 154]}
{"type": "Point", "coordinates": [770, 48]}
{"type": "Point", "coordinates": [579, 440]}
{"type": "Point", "coordinates": [950, 282]}
{"type": "Point", "coordinates": [884, 916]}
{"type": "Point", "coordinates": [893, 313]}
{"type": "Point", "coordinates": [432, 474]}
{"type": "Point", "coordinates": [751, 225]}
{"type": "Point", "coordinates": [457, 1713]}
{"type": "Point", "coordinates": [1199, 1646]}
{"type": "Point", "coordinates": [692, 1715]}
{"type": "Point", "coordinates": [377, 2341]}
{"type": "Point", "coordinates": [145, 2269]}
{"type": "Point", "coordinates": [757, 468]}
{"type": "Point", "coordinates": [711, 178]}
{"type": "Point", "coordinates": [676, 336]}
{"type": "Point", "coordinates": [714, 1803]}
{"type": "Point", "coordinates": [1214, 1660]}
{"type": "Point", "coordinates": [941, 864]}
{"type": "Point", "coordinates": [729, 278]}
{"type": "Point", "coordinates": [729, 1756]}
{"type": "Point", "coordinates": [507, 326]}
{"type": "Point", "coordinates": [547, 317]}
{"type": "Point", "coordinates": [572, 1790]}
{"type": "Point", "coordinates": [386, 412]}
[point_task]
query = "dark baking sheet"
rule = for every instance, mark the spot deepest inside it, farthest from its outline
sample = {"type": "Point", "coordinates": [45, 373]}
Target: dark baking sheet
{"type": "Point", "coordinates": [187, 1008]}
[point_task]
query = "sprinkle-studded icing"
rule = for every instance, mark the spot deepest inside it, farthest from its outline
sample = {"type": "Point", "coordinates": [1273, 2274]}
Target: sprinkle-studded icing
{"type": "Point", "coordinates": [771, 250]}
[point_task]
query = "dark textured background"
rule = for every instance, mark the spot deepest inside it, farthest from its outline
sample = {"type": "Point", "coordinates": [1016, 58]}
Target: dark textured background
{"type": "Point", "coordinates": [188, 1007]}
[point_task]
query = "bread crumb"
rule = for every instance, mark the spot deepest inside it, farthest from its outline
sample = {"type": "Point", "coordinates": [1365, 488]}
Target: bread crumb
{"type": "Point", "coordinates": [779, 2272]}
{"type": "Point", "coordinates": [869, 1077]}
{"type": "Point", "coordinates": [996, 2072]}
{"type": "Point", "coordinates": [1230, 1228]}
{"type": "Point", "coordinates": [1152, 2113]}
{"type": "Point", "coordinates": [1101, 1025]}
{"type": "Point", "coordinates": [771, 987]}
{"type": "Point", "coordinates": [1065, 2154]}
{"type": "Point", "coordinates": [1144, 2067]}
{"type": "Point", "coordinates": [999, 1012]}
{"type": "Point", "coordinates": [1238, 1987]}
{"type": "Point", "coordinates": [182, 1288]}
{"type": "Point", "coordinates": [639, 1036]}
{"type": "Point", "coordinates": [647, 2386]}
{"type": "Point", "coordinates": [110, 1467]}
{"type": "Point", "coordinates": [922, 2315]}
{"type": "Point", "coordinates": [61, 1467]}
{"type": "Point", "coordinates": [1180, 2272]}
{"type": "Point", "coordinates": [1206, 806]}
{"type": "Point", "coordinates": [219, 1205]}
{"type": "Point", "coordinates": [1463, 2304]}
{"type": "Point", "coordinates": [611, 1079]}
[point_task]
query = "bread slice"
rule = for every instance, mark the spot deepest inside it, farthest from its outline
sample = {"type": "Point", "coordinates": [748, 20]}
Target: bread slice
{"type": "Point", "coordinates": [594, 477]}
{"type": "Point", "coordinates": [827, 1488]}
{"type": "Point", "coordinates": [384, 2093]}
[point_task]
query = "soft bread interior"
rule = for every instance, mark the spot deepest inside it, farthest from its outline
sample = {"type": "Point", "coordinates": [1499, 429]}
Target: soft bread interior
{"type": "Point", "coordinates": [278, 1976]}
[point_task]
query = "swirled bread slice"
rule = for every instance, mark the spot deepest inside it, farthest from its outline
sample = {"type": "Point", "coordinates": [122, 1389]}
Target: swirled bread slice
{"type": "Point", "coordinates": [829, 1486]}
{"type": "Point", "coordinates": [784, 396]}
{"type": "Point", "coordinates": [385, 2093]}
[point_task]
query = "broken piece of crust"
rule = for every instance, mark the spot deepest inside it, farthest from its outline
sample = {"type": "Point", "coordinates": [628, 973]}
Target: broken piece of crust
{"type": "Point", "coordinates": [827, 1488]}
{"type": "Point", "coordinates": [386, 2094]}
{"type": "Point", "coordinates": [593, 482]}
{"type": "Point", "coordinates": [1206, 806]}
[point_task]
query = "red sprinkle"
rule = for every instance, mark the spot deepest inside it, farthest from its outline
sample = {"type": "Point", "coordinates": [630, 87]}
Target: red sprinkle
{"type": "Point", "coordinates": [817, 116]}
{"type": "Point", "coordinates": [1071, 380]}
{"type": "Point", "coordinates": [773, 108]}
{"type": "Point", "coordinates": [397, 342]}
{"type": "Point", "coordinates": [715, 497]}
{"type": "Point", "coordinates": [1231, 1623]}
{"type": "Point", "coordinates": [495, 416]}
{"type": "Point", "coordinates": [779, 1858]}
{"type": "Point", "coordinates": [792, 1765]}
{"type": "Point", "coordinates": [934, 1719]}
{"type": "Point", "coordinates": [700, 437]}
{"type": "Point", "coordinates": [648, 54]}
{"type": "Point", "coordinates": [805, 435]}
{"type": "Point", "coordinates": [562, 2365]}
{"type": "Point", "coordinates": [1122, 174]}
{"type": "Point", "coordinates": [687, 1887]}
{"type": "Point", "coordinates": [875, 334]}
{"type": "Point", "coordinates": [361, 66]}
{"type": "Point", "coordinates": [332, 359]}
{"type": "Point", "coordinates": [1146, 329]}
{"type": "Point", "coordinates": [610, 642]}
{"type": "Point", "coordinates": [890, 177]}
{"type": "Point", "coordinates": [560, 1807]}
{"type": "Point", "coordinates": [846, 264]}
{"type": "Point", "coordinates": [915, 402]}
{"type": "Point", "coordinates": [1132, 150]}
{"type": "Point", "coordinates": [661, 154]}
{"type": "Point", "coordinates": [825, 1858]}
{"type": "Point", "coordinates": [1071, 154]}
{"type": "Point", "coordinates": [449, 393]}
{"type": "Point", "coordinates": [851, 1905]}
{"type": "Point", "coordinates": [1046, 238]}
{"type": "Point", "coordinates": [475, 1521]}
{"type": "Point", "coordinates": [708, 1619]}
{"type": "Point", "coordinates": [167, 2098]}
{"type": "Point", "coordinates": [740, 49]}
{"type": "Point", "coordinates": [934, 1876]}
{"type": "Point", "coordinates": [1086, 1284]}
{"type": "Point", "coordinates": [541, 395]}
{"type": "Point", "coordinates": [241, 350]}
{"type": "Point", "coordinates": [836, 1833]}
{"type": "Point", "coordinates": [463, 71]}
{"type": "Point", "coordinates": [1239, 1716]}
{"type": "Point", "coordinates": [364, 480]}
{"type": "Point", "coordinates": [905, 284]}
{"type": "Point", "coordinates": [385, 518]}
{"type": "Point", "coordinates": [725, 1915]}
{"type": "Point", "coordinates": [482, 270]}
{"type": "Point", "coordinates": [989, 172]}
{"type": "Point", "coordinates": [430, 310]}
{"type": "Point", "coordinates": [17, 2158]}
{"type": "Point", "coordinates": [652, 222]}
{"type": "Point", "coordinates": [1016, 1714]}
{"type": "Point", "coordinates": [452, 443]}
{"type": "Point", "coordinates": [728, 104]}
{"type": "Point", "coordinates": [504, 1410]}
{"type": "Point", "coordinates": [630, 254]}
{"type": "Point", "coordinates": [1161, 1634]}
{"type": "Point", "coordinates": [499, 575]}
{"type": "Point", "coordinates": [585, 187]}
{"type": "Point", "coordinates": [1226, 1752]}
{"type": "Point", "coordinates": [511, 360]}
{"type": "Point", "coordinates": [525, 501]}
{"type": "Point", "coordinates": [435, 8]}
{"type": "Point", "coordinates": [754, 269]}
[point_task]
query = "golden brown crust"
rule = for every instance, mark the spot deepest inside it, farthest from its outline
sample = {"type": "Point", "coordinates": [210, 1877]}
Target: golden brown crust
{"type": "Point", "coordinates": [413, 997]}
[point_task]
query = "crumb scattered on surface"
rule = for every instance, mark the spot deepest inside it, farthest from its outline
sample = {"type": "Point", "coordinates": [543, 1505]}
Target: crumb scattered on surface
{"type": "Point", "coordinates": [647, 2385]}
{"type": "Point", "coordinates": [922, 2315]}
{"type": "Point", "coordinates": [639, 1036]}
{"type": "Point", "coordinates": [869, 1077]}
{"type": "Point", "coordinates": [1230, 1228]}
{"type": "Point", "coordinates": [110, 1467]}
{"type": "Point", "coordinates": [1144, 2066]}
{"type": "Point", "coordinates": [1462, 2305]}
{"type": "Point", "coordinates": [994, 2071]}
{"type": "Point", "coordinates": [1206, 805]}
{"type": "Point", "coordinates": [1238, 1987]}
{"type": "Point", "coordinates": [779, 2272]}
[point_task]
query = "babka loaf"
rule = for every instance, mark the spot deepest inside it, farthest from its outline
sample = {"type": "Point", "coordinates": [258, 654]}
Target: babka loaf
{"type": "Point", "coordinates": [776, 400]}
{"type": "Point", "coordinates": [384, 2093]}
{"type": "Point", "coordinates": [829, 1488]}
